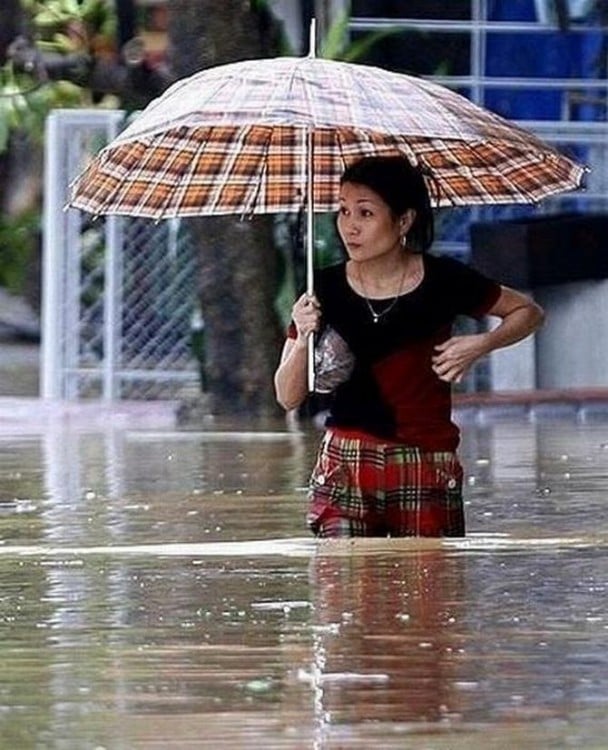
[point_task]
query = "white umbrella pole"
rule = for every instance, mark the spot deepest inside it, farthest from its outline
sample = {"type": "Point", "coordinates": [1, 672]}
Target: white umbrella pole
{"type": "Point", "coordinates": [310, 225]}
{"type": "Point", "coordinates": [310, 249]}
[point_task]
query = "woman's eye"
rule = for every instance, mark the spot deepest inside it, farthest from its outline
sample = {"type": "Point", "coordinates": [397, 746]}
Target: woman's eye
{"type": "Point", "coordinates": [365, 212]}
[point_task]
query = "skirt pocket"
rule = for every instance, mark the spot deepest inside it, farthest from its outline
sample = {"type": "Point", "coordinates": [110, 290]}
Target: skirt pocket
{"type": "Point", "coordinates": [328, 489]}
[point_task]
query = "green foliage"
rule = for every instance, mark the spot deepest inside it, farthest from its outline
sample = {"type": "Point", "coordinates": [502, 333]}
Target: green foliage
{"type": "Point", "coordinates": [81, 28]}
{"type": "Point", "coordinates": [18, 243]}
{"type": "Point", "coordinates": [24, 104]}
{"type": "Point", "coordinates": [68, 26]}
{"type": "Point", "coordinates": [61, 27]}
{"type": "Point", "coordinates": [335, 45]}
{"type": "Point", "coordinates": [84, 28]}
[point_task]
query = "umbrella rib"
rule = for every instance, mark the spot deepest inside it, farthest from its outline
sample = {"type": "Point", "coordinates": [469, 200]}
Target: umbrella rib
{"type": "Point", "coordinates": [174, 99]}
{"type": "Point", "coordinates": [380, 113]}
{"type": "Point", "coordinates": [512, 187]}
{"type": "Point", "coordinates": [257, 184]}
{"type": "Point", "coordinates": [214, 198]}
{"type": "Point", "coordinates": [285, 91]}
{"type": "Point", "coordinates": [176, 195]}
{"type": "Point", "coordinates": [111, 198]}
{"type": "Point", "coordinates": [160, 212]}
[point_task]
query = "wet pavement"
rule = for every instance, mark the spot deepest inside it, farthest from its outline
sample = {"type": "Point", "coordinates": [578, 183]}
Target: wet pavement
{"type": "Point", "coordinates": [158, 589]}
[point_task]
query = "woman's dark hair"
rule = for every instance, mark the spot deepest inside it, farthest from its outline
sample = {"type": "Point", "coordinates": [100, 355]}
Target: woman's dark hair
{"type": "Point", "coordinates": [401, 186]}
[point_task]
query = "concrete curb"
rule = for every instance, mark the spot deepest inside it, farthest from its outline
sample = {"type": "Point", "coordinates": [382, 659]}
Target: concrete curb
{"type": "Point", "coordinates": [33, 415]}
{"type": "Point", "coordinates": [583, 404]}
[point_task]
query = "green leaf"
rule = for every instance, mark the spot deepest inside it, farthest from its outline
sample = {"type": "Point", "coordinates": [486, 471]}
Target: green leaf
{"type": "Point", "coordinates": [335, 47]}
{"type": "Point", "coordinates": [333, 44]}
{"type": "Point", "coordinates": [46, 46]}
{"type": "Point", "coordinates": [49, 18]}
{"type": "Point", "coordinates": [5, 130]}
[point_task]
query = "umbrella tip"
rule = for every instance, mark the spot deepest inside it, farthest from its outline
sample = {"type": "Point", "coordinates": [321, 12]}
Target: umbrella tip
{"type": "Point", "coordinates": [312, 38]}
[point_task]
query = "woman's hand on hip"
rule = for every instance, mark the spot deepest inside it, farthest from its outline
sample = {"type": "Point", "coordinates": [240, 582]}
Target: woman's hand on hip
{"type": "Point", "coordinates": [456, 355]}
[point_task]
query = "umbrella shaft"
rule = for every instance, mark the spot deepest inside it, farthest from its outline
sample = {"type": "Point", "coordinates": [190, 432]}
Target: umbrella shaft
{"type": "Point", "coordinates": [310, 211]}
{"type": "Point", "coordinates": [310, 245]}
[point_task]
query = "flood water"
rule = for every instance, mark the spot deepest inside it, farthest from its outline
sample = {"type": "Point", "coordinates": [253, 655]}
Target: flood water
{"type": "Point", "coordinates": [158, 589]}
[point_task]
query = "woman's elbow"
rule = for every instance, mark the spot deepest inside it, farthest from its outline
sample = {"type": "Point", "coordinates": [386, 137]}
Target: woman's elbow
{"type": "Point", "coordinates": [282, 400]}
{"type": "Point", "coordinates": [538, 316]}
{"type": "Point", "coordinates": [288, 404]}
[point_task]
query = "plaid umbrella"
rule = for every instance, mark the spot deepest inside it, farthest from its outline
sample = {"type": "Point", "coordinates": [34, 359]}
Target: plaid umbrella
{"type": "Point", "coordinates": [266, 136]}
{"type": "Point", "coordinates": [247, 137]}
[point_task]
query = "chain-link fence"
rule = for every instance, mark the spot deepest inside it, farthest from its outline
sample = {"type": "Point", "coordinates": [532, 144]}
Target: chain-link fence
{"type": "Point", "coordinates": [119, 304]}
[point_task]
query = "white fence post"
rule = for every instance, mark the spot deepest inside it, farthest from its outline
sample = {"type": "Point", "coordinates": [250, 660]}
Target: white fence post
{"type": "Point", "coordinates": [53, 240]}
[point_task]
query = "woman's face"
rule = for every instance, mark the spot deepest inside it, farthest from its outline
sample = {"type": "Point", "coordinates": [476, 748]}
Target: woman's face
{"type": "Point", "coordinates": [366, 223]}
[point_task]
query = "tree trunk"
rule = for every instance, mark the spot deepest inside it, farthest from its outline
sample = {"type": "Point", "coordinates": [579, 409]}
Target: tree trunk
{"type": "Point", "coordinates": [238, 261]}
{"type": "Point", "coordinates": [237, 287]}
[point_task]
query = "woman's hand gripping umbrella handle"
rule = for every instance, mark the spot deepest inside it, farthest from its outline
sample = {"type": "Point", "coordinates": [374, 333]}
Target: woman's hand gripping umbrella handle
{"type": "Point", "coordinates": [292, 378]}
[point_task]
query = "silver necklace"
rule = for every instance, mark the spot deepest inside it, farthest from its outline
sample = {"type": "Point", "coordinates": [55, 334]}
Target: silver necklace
{"type": "Point", "coordinates": [377, 316]}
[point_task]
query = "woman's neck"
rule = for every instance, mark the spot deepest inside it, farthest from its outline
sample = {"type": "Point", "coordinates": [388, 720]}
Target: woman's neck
{"type": "Point", "coordinates": [385, 276]}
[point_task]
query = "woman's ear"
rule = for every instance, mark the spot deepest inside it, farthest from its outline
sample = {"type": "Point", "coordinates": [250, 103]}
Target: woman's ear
{"type": "Point", "coordinates": [406, 220]}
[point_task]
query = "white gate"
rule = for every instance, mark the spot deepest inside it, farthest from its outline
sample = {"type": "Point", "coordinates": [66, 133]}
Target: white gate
{"type": "Point", "coordinates": [119, 294]}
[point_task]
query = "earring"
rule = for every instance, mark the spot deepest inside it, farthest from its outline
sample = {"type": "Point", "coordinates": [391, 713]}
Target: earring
{"type": "Point", "coordinates": [403, 240]}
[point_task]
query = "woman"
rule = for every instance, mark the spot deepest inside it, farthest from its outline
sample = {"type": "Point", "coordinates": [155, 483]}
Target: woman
{"type": "Point", "coordinates": [387, 464]}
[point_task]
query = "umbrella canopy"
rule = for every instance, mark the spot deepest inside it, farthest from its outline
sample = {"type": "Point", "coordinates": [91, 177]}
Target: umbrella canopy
{"type": "Point", "coordinates": [246, 138]}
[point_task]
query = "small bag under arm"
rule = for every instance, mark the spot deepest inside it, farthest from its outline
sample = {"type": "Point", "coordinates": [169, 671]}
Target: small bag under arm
{"type": "Point", "coordinates": [334, 361]}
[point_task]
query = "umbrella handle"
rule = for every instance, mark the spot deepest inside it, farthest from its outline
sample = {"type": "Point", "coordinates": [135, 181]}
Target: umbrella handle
{"type": "Point", "coordinates": [310, 361]}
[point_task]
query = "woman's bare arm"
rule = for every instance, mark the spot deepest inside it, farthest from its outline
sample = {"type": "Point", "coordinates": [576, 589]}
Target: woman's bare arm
{"type": "Point", "coordinates": [520, 316]}
{"type": "Point", "coordinates": [290, 379]}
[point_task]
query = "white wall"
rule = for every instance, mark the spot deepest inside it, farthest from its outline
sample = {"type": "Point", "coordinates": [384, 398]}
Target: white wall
{"type": "Point", "coordinates": [572, 347]}
{"type": "Point", "coordinates": [569, 351]}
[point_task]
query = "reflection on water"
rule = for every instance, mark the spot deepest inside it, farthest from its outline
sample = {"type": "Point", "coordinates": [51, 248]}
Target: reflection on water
{"type": "Point", "coordinates": [159, 590]}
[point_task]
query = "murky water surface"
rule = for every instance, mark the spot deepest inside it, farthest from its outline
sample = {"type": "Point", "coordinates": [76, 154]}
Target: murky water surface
{"type": "Point", "coordinates": [160, 590]}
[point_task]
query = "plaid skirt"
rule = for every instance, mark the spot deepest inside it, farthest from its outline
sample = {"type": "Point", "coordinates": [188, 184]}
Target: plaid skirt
{"type": "Point", "coordinates": [361, 486]}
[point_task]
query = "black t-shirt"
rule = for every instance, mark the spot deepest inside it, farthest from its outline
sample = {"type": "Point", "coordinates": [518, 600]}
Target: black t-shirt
{"type": "Point", "coordinates": [393, 393]}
